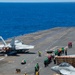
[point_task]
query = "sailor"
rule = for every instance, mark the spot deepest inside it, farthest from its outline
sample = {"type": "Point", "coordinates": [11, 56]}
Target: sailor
{"type": "Point", "coordinates": [25, 73]}
{"type": "Point", "coordinates": [18, 70]}
{"type": "Point", "coordinates": [54, 60]}
{"type": "Point", "coordinates": [39, 53]}
{"type": "Point", "coordinates": [49, 58]}
{"type": "Point", "coordinates": [65, 51]}
{"type": "Point", "coordinates": [37, 65]}
{"type": "Point", "coordinates": [36, 68]}
{"type": "Point", "coordinates": [37, 73]}
{"type": "Point", "coordinates": [46, 61]}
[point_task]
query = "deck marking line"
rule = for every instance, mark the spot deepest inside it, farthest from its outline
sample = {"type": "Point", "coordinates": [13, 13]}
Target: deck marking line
{"type": "Point", "coordinates": [1, 58]}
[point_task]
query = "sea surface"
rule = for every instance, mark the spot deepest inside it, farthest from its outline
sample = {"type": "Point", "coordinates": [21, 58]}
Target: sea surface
{"type": "Point", "coordinates": [23, 18]}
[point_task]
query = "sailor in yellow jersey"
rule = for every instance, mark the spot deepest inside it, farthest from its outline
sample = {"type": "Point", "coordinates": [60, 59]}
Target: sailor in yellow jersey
{"type": "Point", "coordinates": [56, 74]}
{"type": "Point", "coordinates": [39, 53]}
{"type": "Point", "coordinates": [25, 73]}
{"type": "Point", "coordinates": [37, 73]}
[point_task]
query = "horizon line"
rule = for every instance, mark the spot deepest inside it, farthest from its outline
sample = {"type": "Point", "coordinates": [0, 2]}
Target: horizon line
{"type": "Point", "coordinates": [37, 2]}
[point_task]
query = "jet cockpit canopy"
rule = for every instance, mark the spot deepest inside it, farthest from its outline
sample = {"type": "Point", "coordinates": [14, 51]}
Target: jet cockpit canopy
{"type": "Point", "coordinates": [64, 64]}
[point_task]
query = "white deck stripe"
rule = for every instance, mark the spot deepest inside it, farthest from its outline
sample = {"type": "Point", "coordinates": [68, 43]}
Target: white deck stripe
{"type": "Point", "coordinates": [1, 58]}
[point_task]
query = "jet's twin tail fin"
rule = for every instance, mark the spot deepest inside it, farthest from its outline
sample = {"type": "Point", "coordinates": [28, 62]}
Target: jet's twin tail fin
{"type": "Point", "coordinates": [3, 40]}
{"type": "Point", "coordinates": [13, 43]}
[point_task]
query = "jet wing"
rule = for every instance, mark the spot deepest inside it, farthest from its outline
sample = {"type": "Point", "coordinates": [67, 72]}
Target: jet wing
{"type": "Point", "coordinates": [66, 72]}
{"type": "Point", "coordinates": [24, 47]}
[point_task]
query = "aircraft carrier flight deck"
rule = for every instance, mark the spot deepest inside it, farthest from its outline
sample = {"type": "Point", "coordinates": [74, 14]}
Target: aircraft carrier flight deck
{"type": "Point", "coordinates": [42, 41]}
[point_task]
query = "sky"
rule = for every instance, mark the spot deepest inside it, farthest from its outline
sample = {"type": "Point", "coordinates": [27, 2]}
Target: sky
{"type": "Point", "coordinates": [37, 0]}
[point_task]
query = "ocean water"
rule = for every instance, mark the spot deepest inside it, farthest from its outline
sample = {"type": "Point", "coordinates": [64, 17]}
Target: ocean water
{"type": "Point", "coordinates": [23, 18]}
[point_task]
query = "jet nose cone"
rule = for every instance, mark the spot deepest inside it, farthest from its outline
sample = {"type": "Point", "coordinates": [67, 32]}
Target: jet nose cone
{"type": "Point", "coordinates": [52, 68]}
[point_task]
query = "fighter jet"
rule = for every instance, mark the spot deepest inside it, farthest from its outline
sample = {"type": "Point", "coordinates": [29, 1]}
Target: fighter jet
{"type": "Point", "coordinates": [64, 69]}
{"type": "Point", "coordinates": [20, 46]}
{"type": "Point", "coordinates": [15, 45]}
